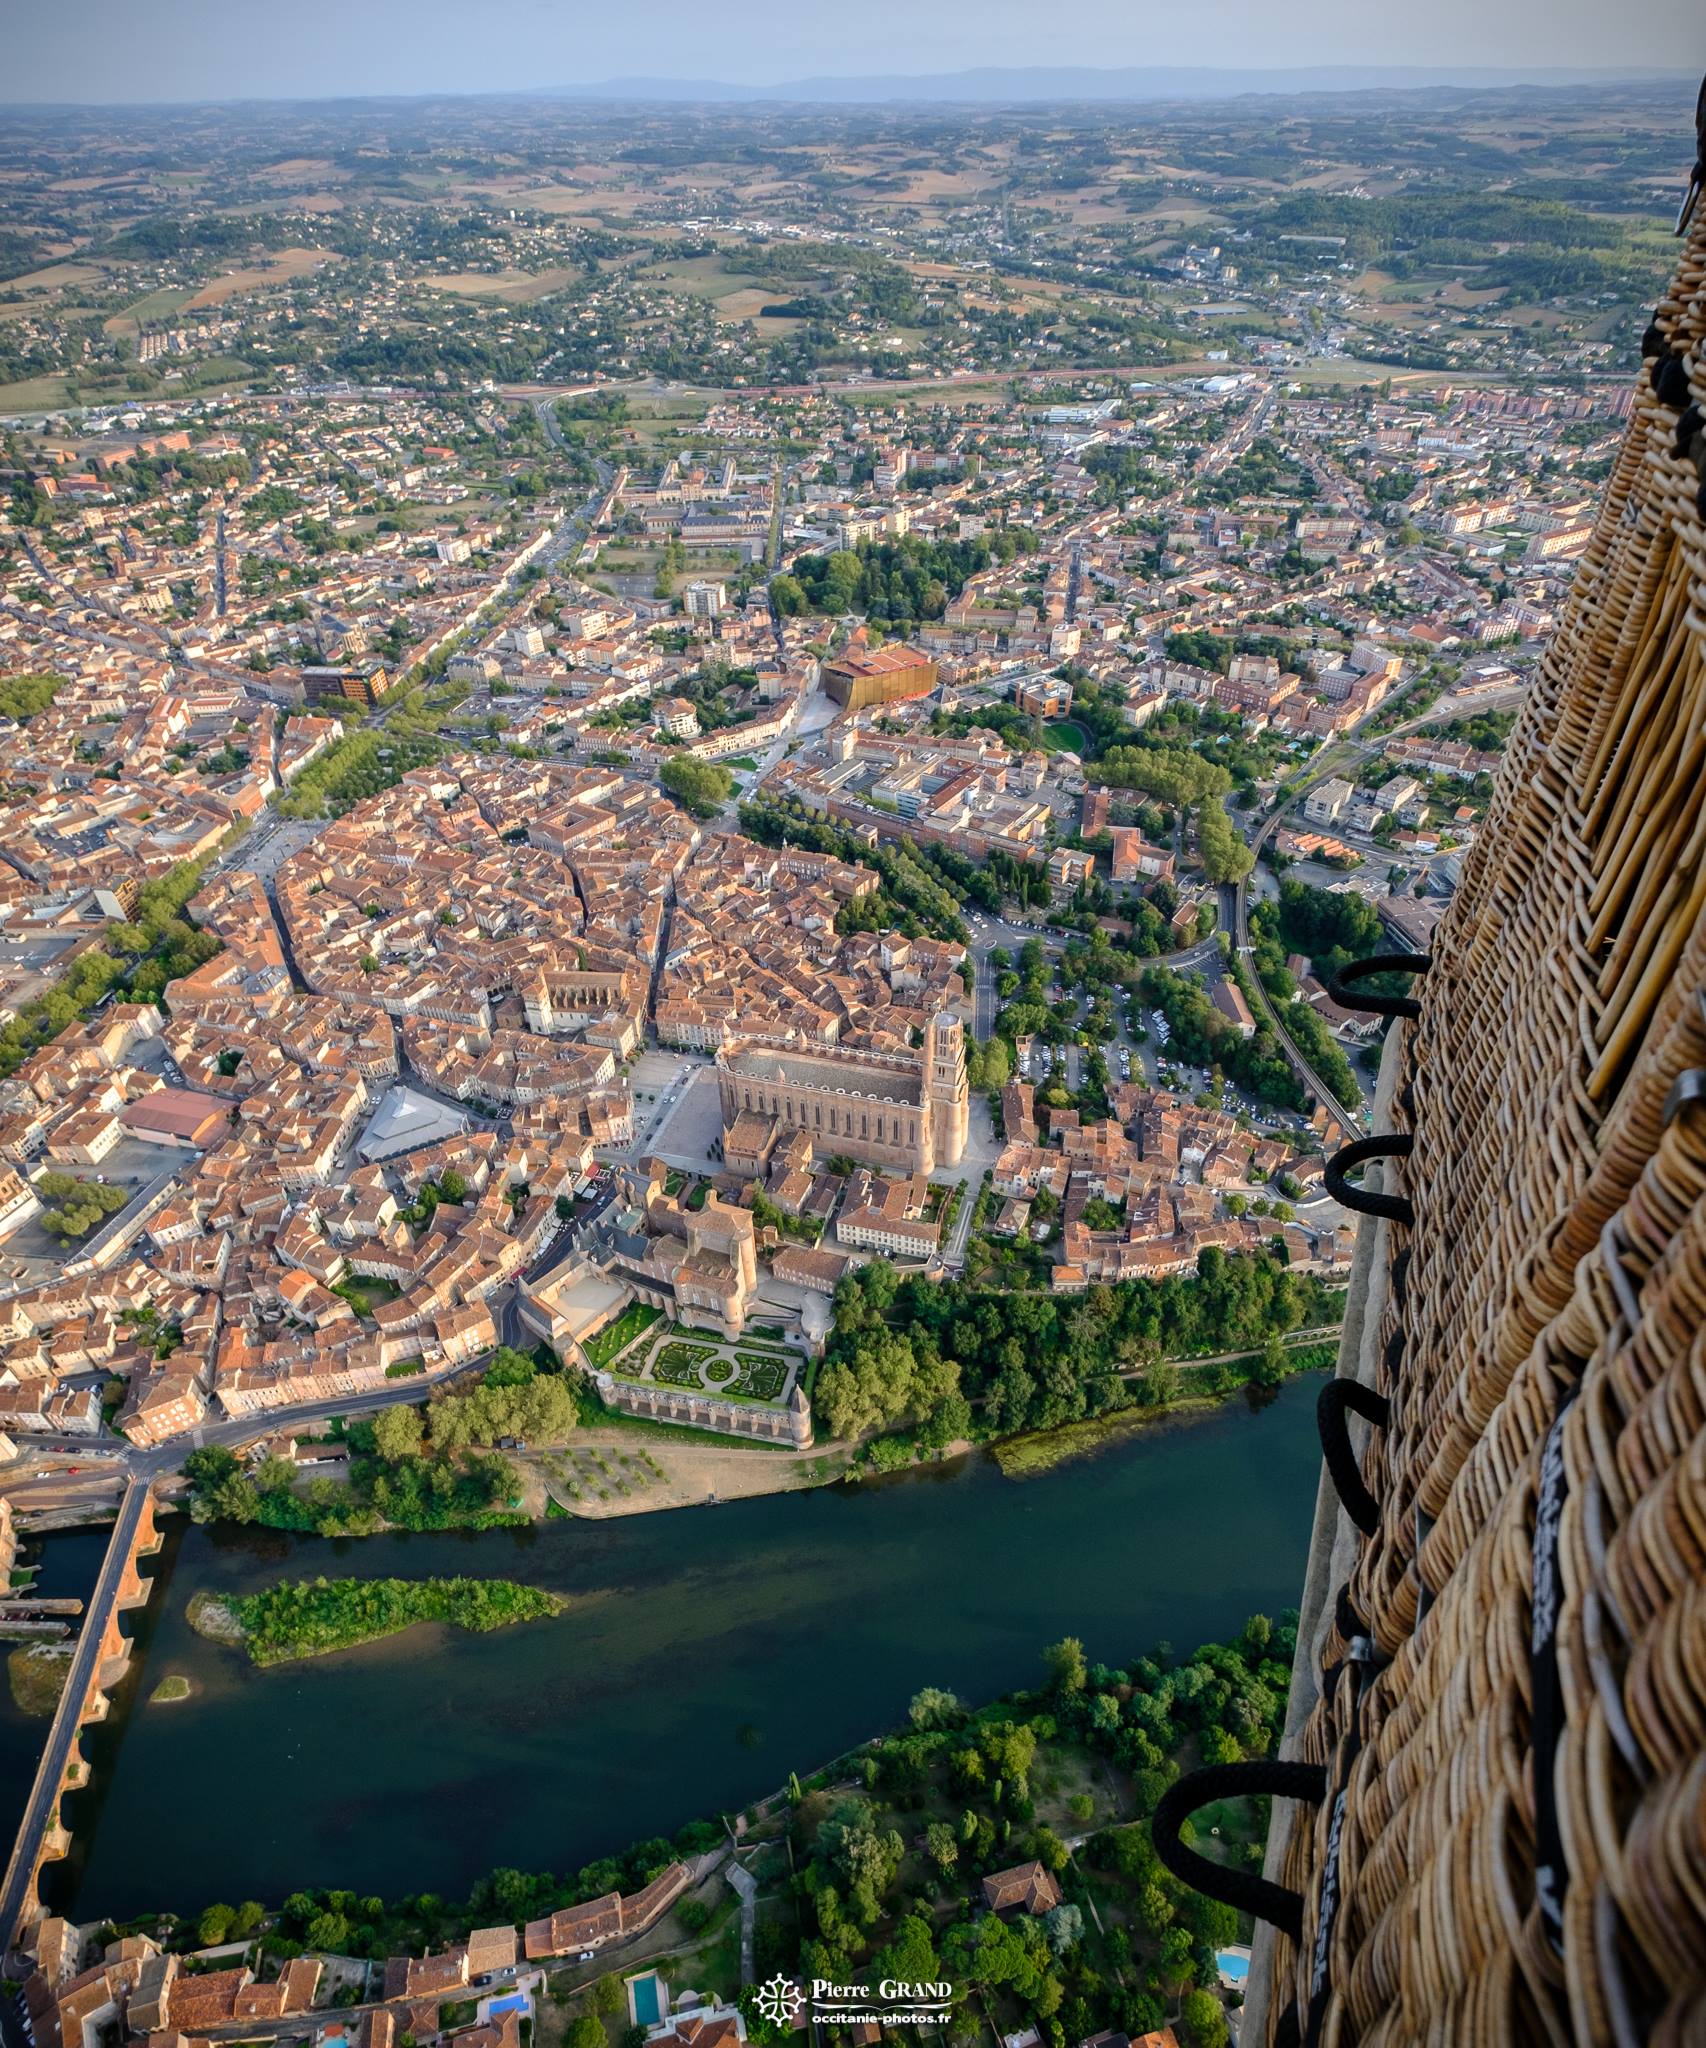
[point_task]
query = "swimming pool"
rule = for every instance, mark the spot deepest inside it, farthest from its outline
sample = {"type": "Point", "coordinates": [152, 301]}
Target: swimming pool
{"type": "Point", "coordinates": [1233, 1964]}
{"type": "Point", "coordinates": [512, 2001]}
{"type": "Point", "coordinates": [647, 2003]}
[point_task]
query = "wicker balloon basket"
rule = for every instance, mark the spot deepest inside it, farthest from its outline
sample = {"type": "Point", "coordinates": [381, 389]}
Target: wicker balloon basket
{"type": "Point", "coordinates": [1509, 1744]}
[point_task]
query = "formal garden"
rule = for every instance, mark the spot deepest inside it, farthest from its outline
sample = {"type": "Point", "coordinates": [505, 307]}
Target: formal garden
{"type": "Point", "coordinates": [683, 1365]}
{"type": "Point", "coordinates": [754, 1368]}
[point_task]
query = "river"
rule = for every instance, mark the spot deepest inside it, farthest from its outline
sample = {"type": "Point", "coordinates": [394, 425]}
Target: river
{"type": "Point", "coordinates": [706, 1653]}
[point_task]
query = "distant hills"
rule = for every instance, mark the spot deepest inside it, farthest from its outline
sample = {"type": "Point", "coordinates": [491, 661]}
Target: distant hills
{"type": "Point", "coordinates": [1052, 84]}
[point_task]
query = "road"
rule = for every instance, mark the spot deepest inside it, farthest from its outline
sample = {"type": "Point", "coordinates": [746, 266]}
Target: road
{"type": "Point", "coordinates": [166, 1458]}
{"type": "Point", "coordinates": [574, 529]}
{"type": "Point", "coordinates": [982, 995]}
{"type": "Point", "coordinates": [56, 1753]}
{"type": "Point", "coordinates": [90, 1492]}
{"type": "Point", "coordinates": [221, 581]}
{"type": "Point", "coordinates": [1332, 762]}
{"type": "Point", "coordinates": [1239, 922]}
{"type": "Point", "coordinates": [954, 1251]}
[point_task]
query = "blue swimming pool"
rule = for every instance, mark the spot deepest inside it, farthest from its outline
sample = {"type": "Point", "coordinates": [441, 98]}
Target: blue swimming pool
{"type": "Point", "coordinates": [648, 2005]}
{"type": "Point", "coordinates": [512, 2001]}
{"type": "Point", "coordinates": [1236, 1967]}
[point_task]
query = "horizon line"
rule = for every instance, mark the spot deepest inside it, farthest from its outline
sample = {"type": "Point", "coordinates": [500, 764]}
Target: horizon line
{"type": "Point", "coordinates": [807, 90]}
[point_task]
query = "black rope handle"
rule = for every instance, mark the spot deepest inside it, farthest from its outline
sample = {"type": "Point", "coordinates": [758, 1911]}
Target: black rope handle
{"type": "Point", "coordinates": [1670, 381]}
{"type": "Point", "coordinates": [1339, 1399]}
{"type": "Point", "coordinates": [1239, 1889]}
{"type": "Point", "coordinates": [1340, 986]}
{"type": "Point", "coordinates": [1365, 1201]}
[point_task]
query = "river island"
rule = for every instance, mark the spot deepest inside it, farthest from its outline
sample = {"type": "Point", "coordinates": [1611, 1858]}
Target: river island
{"type": "Point", "coordinates": [313, 1617]}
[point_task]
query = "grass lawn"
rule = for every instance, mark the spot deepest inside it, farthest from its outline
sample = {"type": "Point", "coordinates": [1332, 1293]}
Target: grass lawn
{"type": "Point", "coordinates": [615, 1337]}
{"type": "Point", "coordinates": [367, 1291]}
{"type": "Point", "coordinates": [33, 394]}
{"type": "Point", "coordinates": [157, 305]}
{"type": "Point", "coordinates": [1065, 735]}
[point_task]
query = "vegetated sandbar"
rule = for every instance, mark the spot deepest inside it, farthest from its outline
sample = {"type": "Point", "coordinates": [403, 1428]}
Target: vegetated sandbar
{"type": "Point", "coordinates": [312, 1617]}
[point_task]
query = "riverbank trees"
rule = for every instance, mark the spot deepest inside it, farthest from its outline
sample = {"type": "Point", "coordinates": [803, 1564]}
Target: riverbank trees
{"type": "Point", "coordinates": [892, 1867]}
{"type": "Point", "coordinates": [407, 1491]}
{"type": "Point", "coordinates": [514, 1399]}
{"type": "Point", "coordinates": [928, 1352]}
{"type": "Point", "coordinates": [409, 1467]}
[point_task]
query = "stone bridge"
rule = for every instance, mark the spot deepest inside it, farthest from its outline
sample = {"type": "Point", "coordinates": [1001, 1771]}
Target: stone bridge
{"type": "Point", "coordinates": [97, 1664]}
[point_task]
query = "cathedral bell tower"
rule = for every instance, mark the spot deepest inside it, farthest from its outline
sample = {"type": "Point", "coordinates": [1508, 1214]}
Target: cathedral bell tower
{"type": "Point", "coordinates": [946, 1087]}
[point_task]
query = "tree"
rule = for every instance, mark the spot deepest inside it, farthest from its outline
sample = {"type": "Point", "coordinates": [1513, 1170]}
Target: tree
{"type": "Point", "coordinates": [220, 1490]}
{"type": "Point", "coordinates": [585, 2032]}
{"type": "Point", "coordinates": [275, 1475]}
{"type": "Point", "coordinates": [1052, 1852]}
{"type": "Point", "coordinates": [327, 1932]}
{"type": "Point", "coordinates": [910, 1957]}
{"type": "Point", "coordinates": [510, 1368]}
{"type": "Point", "coordinates": [866, 1856]}
{"type": "Point", "coordinates": [990, 1951]}
{"type": "Point", "coordinates": [1064, 1927]}
{"type": "Point", "coordinates": [608, 1996]}
{"type": "Point", "coordinates": [1065, 1663]}
{"type": "Point", "coordinates": [933, 1708]}
{"type": "Point", "coordinates": [941, 1846]}
{"type": "Point", "coordinates": [214, 1925]}
{"type": "Point", "coordinates": [398, 1432]}
{"type": "Point", "coordinates": [541, 1410]}
{"type": "Point", "coordinates": [1270, 1365]}
{"type": "Point", "coordinates": [700, 787]}
{"type": "Point", "coordinates": [1225, 856]}
{"type": "Point", "coordinates": [1203, 2019]}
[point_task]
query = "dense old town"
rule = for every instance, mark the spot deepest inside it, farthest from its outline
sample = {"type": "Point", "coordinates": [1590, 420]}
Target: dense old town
{"type": "Point", "coordinates": [713, 799]}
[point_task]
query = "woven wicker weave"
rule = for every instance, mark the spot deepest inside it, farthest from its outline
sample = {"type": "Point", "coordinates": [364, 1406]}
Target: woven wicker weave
{"type": "Point", "coordinates": [1513, 1712]}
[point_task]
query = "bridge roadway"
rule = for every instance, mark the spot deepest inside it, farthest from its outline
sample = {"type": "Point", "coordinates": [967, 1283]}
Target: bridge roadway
{"type": "Point", "coordinates": [114, 1588]}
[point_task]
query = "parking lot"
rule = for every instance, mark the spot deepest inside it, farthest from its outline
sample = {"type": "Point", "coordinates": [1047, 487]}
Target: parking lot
{"type": "Point", "coordinates": [28, 1248]}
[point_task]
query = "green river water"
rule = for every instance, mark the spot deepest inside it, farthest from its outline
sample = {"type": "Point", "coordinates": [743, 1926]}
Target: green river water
{"type": "Point", "coordinates": [705, 1654]}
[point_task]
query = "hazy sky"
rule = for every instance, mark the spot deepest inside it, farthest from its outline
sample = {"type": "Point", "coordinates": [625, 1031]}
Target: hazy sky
{"type": "Point", "coordinates": [105, 50]}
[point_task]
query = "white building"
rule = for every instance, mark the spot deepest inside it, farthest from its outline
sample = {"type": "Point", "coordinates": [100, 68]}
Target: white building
{"type": "Point", "coordinates": [1322, 806]}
